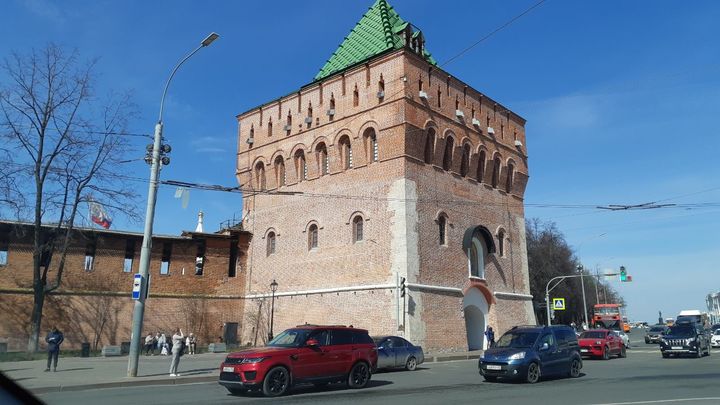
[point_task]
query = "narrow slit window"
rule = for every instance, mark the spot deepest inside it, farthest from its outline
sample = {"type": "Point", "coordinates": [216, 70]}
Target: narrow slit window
{"type": "Point", "coordinates": [90, 257]}
{"type": "Point", "coordinates": [442, 228]}
{"type": "Point", "coordinates": [356, 97]}
{"type": "Point", "coordinates": [358, 229]}
{"type": "Point", "coordinates": [232, 265]}
{"type": "Point", "coordinates": [271, 243]}
{"type": "Point", "coordinates": [4, 248]}
{"type": "Point", "coordinates": [313, 237]}
{"type": "Point", "coordinates": [129, 256]}
{"type": "Point", "coordinates": [200, 258]}
{"type": "Point", "coordinates": [165, 263]}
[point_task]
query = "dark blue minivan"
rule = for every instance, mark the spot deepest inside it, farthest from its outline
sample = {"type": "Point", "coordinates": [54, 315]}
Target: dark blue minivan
{"type": "Point", "coordinates": [531, 352]}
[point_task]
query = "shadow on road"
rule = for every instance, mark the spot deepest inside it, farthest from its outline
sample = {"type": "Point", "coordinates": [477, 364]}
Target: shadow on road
{"type": "Point", "coordinates": [186, 372]}
{"type": "Point", "coordinates": [314, 389]}
{"type": "Point", "coordinates": [398, 370]}
{"type": "Point", "coordinates": [60, 370]}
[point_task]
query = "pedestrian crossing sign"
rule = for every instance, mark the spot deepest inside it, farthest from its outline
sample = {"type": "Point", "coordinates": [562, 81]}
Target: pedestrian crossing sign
{"type": "Point", "coordinates": [558, 304]}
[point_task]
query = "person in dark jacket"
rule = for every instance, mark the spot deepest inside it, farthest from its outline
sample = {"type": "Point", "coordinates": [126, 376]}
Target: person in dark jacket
{"type": "Point", "coordinates": [490, 335]}
{"type": "Point", "coordinates": [54, 339]}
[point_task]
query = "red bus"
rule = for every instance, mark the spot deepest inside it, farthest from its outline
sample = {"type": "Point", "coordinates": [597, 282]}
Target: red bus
{"type": "Point", "coordinates": [607, 316]}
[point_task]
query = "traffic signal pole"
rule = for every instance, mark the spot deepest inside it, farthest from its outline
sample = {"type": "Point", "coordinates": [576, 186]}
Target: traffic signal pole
{"type": "Point", "coordinates": [559, 279]}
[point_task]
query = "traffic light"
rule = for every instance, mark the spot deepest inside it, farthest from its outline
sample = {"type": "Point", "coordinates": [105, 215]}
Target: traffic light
{"type": "Point", "coordinates": [623, 274]}
{"type": "Point", "coordinates": [402, 286]}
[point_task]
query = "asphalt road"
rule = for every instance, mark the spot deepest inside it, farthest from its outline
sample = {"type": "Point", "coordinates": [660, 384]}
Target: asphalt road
{"type": "Point", "coordinates": [644, 377]}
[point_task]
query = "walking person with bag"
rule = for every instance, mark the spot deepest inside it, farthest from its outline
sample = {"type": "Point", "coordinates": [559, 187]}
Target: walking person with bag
{"type": "Point", "coordinates": [178, 343]}
{"type": "Point", "coordinates": [54, 339]}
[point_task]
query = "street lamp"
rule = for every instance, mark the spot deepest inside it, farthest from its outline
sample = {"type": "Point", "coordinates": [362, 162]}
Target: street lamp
{"type": "Point", "coordinates": [155, 161]}
{"type": "Point", "coordinates": [273, 288]}
{"type": "Point", "coordinates": [581, 270]}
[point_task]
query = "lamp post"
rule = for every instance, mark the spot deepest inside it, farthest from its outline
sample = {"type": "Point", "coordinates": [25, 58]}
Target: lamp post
{"type": "Point", "coordinates": [273, 288]}
{"type": "Point", "coordinates": [155, 161]}
{"type": "Point", "coordinates": [581, 270]}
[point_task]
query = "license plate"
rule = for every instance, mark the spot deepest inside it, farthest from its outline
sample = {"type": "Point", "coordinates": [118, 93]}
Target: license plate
{"type": "Point", "coordinates": [493, 367]}
{"type": "Point", "coordinates": [229, 369]}
{"type": "Point", "coordinates": [583, 350]}
{"type": "Point", "coordinates": [677, 347]}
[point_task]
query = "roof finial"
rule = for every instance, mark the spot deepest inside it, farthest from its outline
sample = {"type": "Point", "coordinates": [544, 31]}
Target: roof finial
{"type": "Point", "coordinates": [199, 227]}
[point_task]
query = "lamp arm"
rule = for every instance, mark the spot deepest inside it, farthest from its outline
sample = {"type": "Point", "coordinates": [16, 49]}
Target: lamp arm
{"type": "Point", "coordinates": [172, 74]}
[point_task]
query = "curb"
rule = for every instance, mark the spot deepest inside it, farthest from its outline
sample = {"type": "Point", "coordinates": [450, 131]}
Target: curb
{"type": "Point", "coordinates": [191, 380]}
{"type": "Point", "coordinates": [123, 384]}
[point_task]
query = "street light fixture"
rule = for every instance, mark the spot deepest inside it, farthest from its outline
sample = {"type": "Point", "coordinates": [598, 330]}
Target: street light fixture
{"type": "Point", "coordinates": [155, 161]}
{"type": "Point", "coordinates": [273, 288]}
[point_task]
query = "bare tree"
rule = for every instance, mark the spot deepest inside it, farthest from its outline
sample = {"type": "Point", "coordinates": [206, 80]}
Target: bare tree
{"type": "Point", "coordinates": [63, 150]}
{"type": "Point", "coordinates": [549, 255]}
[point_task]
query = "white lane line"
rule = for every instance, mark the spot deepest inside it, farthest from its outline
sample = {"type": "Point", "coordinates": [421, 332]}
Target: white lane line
{"type": "Point", "coordinates": [661, 401]}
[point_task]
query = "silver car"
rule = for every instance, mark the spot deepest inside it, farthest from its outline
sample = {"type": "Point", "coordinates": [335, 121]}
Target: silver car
{"type": "Point", "coordinates": [396, 352]}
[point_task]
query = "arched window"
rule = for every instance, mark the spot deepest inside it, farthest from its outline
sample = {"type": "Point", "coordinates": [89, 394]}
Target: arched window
{"type": "Point", "coordinates": [322, 159]}
{"type": "Point", "coordinates": [332, 106]}
{"type": "Point", "coordinates": [288, 123]}
{"type": "Point", "coordinates": [476, 256]}
{"type": "Point", "coordinates": [252, 132]}
{"type": "Point", "coordinates": [300, 166]}
{"type": "Point", "coordinates": [501, 242]}
{"type": "Point", "coordinates": [280, 171]}
{"type": "Point", "coordinates": [465, 162]}
{"type": "Point", "coordinates": [510, 177]}
{"type": "Point", "coordinates": [371, 145]}
{"type": "Point", "coordinates": [429, 145]}
{"type": "Point", "coordinates": [270, 243]}
{"type": "Point", "coordinates": [442, 228]}
{"type": "Point", "coordinates": [496, 171]}
{"type": "Point", "coordinates": [481, 166]}
{"type": "Point", "coordinates": [312, 237]}
{"type": "Point", "coordinates": [260, 176]}
{"type": "Point", "coordinates": [357, 228]}
{"type": "Point", "coordinates": [270, 127]}
{"type": "Point", "coordinates": [309, 117]}
{"type": "Point", "coordinates": [356, 97]}
{"type": "Point", "coordinates": [447, 157]}
{"type": "Point", "coordinates": [346, 152]}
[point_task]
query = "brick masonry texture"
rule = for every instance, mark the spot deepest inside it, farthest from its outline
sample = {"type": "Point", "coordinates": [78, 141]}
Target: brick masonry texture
{"type": "Point", "coordinates": [96, 307]}
{"type": "Point", "coordinates": [400, 196]}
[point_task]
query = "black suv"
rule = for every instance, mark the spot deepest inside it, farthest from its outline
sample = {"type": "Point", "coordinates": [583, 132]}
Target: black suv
{"type": "Point", "coordinates": [529, 352]}
{"type": "Point", "coordinates": [685, 338]}
{"type": "Point", "coordinates": [655, 334]}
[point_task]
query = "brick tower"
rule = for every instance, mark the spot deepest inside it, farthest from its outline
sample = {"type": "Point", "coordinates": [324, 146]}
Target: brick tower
{"type": "Point", "coordinates": [385, 168]}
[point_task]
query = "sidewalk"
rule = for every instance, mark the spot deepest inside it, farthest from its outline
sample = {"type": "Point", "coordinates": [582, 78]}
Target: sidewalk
{"type": "Point", "coordinates": [77, 373]}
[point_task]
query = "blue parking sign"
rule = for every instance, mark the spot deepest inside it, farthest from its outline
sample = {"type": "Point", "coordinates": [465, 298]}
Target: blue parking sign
{"type": "Point", "coordinates": [137, 286]}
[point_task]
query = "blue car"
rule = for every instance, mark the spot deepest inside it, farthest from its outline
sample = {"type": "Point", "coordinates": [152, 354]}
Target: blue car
{"type": "Point", "coordinates": [530, 352]}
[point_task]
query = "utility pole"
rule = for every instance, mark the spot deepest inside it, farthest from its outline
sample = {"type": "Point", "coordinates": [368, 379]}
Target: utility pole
{"type": "Point", "coordinates": [582, 283]}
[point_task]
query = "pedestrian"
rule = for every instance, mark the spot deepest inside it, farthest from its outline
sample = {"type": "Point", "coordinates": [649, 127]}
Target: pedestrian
{"type": "Point", "coordinates": [155, 342]}
{"type": "Point", "coordinates": [162, 345]}
{"type": "Point", "coordinates": [192, 343]}
{"type": "Point", "coordinates": [148, 343]}
{"type": "Point", "coordinates": [490, 335]}
{"type": "Point", "coordinates": [54, 339]}
{"type": "Point", "coordinates": [177, 349]}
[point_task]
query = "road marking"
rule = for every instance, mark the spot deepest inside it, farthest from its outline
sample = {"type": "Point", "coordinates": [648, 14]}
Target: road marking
{"type": "Point", "coordinates": [661, 401]}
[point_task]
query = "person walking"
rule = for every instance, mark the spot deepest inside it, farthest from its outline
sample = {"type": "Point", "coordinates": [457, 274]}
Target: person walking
{"type": "Point", "coordinates": [54, 339]}
{"type": "Point", "coordinates": [162, 344]}
{"type": "Point", "coordinates": [148, 343]}
{"type": "Point", "coordinates": [192, 343]}
{"type": "Point", "coordinates": [490, 335]}
{"type": "Point", "coordinates": [177, 348]}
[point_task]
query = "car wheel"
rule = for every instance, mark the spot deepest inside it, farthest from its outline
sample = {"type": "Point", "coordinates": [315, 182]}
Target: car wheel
{"type": "Point", "coordinates": [533, 373]}
{"type": "Point", "coordinates": [623, 352]}
{"type": "Point", "coordinates": [490, 378]}
{"type": "Point", "coordinates": [359, 376]}
{"type": "Point", "coordinates": [574, 368]}
{"type": "Point", "coordinates": [276, 382]}
{"type": "Point", "coordinates": [411, 364]}
{"type": "Point", "coordinates": [606, 353]}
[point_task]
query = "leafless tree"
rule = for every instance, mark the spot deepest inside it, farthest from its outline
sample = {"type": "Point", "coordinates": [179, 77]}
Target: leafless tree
{"type": "Point", "coordinates": [63, 149]}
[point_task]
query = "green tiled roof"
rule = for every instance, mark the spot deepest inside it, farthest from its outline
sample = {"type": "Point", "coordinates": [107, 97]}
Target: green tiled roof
{"type": "Point", "coordinates": [379, 30]}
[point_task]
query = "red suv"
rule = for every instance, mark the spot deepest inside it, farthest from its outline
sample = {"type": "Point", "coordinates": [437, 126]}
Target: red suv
{"type": "Point", "coordinates": [601, 343]}
{"type": "Point", "coordinates": [305, 354]}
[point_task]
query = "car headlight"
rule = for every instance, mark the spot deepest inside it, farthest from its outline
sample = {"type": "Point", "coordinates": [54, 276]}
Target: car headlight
{"type": "Point", "coordinates": [254, 360]}
{"type": "Point", "coordinates": [691, 340]}
{"type": "Point", "coordinates": [517, 356]}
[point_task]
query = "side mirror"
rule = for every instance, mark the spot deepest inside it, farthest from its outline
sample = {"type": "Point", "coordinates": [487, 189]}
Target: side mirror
{"type": "Point", "coordinates": [312, 343]}
{"type": "Point", "coordinates": [544, 347]}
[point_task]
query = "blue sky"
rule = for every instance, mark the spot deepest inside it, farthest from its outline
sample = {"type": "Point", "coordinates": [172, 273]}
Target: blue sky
{"type": "Point", "coordinates": [620, 99]}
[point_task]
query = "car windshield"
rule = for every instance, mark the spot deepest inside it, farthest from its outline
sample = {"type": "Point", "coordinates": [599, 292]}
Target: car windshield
{"type": "Point", "coordinates": [290, 338]}
{"type": "Point", "coordinates": [657, 329]}
{"type": "Point", "coordinates": [520, 340]}
{"type": "Point", "coordinates": [717, 332]}
{"type": "Point", "coordinates": [592, 335]}
{"type": "Point", "coordinates": [681, 331]}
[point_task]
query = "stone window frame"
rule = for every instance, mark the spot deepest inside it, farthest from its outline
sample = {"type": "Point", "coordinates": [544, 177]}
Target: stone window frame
{"type": "Point", "coordinates": [308, 231]}
{"type": "Point", "coordinates": [440, 217]}
{"type": "Point", "coordinates": [351, 221]}
{"type": "Point", "coordinates": [502, 236]}
{"type": "Point", "coordinates": [270, 238]}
